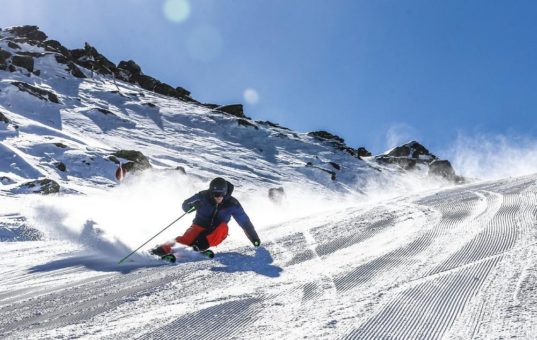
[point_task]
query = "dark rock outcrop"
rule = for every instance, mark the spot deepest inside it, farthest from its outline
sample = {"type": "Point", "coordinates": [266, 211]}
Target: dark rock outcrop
{"type": "Point", "coordinates": [60, 166]}
{"type": "Point", "coordinates": [245, 122]}
{"type": "Point", "coordinates": [26, 62]}
{"type": "Point", "coordinates": [271, 124]}
{"type": "Point", "coordinates": [335, 165]}
{"type": "Point", "coordinates": [442, 168]}
{"type": "Point", "coordinates": [75, 71]}
{"type": "Point", "coordinates": [325, 135]}
{"type": "Point", "coordinates": [28, 32]}
{"type": "Point", "coordinates": [87, 57]}
{"type": "Point", "coordinates": [413, 150]}
{"type": "Point", "coordinates": [4, 56]}
{"type": "Point", "coordinates": [56, 46]}
{"type": "Point", "coordinates": [137, 160]}
{"type": "Point", "coordinates": [407, 156]}
{"type": "Point", "coordinates": [333, 175]}
{"type": "Point", "coordinates": [336, 141]}
{"type": "Point", "coordinates": [13, 45]}
{"type": "Point", "coordinates": [3, 118]}
{"type": "Point", "coordinates": [362, 152]}
{"type": "Point", "coordinates": [6, 180]}
{"type": "Point", "coordinates": [91, 59]}
{"type": "Point", "coordinates": [131, 72]}
{"type": "Point", "coordinates": [42, 186]}
{"type": "Point", "coordinates": [236, 110]}
{"type": "Point", "coordinates": [36, 92]}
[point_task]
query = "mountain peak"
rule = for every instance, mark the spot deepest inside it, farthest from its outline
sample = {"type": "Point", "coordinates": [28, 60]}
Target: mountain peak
{"type": "Point", "coordinates": [413, 150]}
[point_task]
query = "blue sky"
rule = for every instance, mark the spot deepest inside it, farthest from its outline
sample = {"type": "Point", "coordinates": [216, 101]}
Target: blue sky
{"type": "Point", "coordinates": [374, 72]}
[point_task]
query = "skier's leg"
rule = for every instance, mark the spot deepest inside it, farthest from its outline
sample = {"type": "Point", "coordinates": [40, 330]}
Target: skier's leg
{"type": "Point", "coordinates": [190, 235]}
{"type": "Point", "coordinates": [201, 243]}
{"type": "Point", "coordinates": [163, 249]}
{"type": "Point", "coordinates": [218, 235]}
{"type": "Point", "coordinates": [187, 239]}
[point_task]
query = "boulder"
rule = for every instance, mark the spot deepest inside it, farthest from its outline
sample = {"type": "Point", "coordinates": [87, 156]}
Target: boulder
{"type": "Point", "coordinates": [362, 152]}
{"type": "Point", "coordinates": [4, 56]}
{"type": "Point", "coordinates": [129, 66]}
{"type": "Point", "coordinates": [28, 32]}
{"type": "Point", "coordinates": [56, 46]}
{"type": "Point", "coordinates": [60, 166]}
{"type": "Point", "coordinates": [164, 89]}
{"type": "Point", "coordinates": [137, 160]}
{"type": "Point", "coordinates": [146, 82]}
{"type": "Point", "coordinates": [442, 168]}
{"type": "Point", "coordinates": [236, 110]}
{"type": "Point", "coordinates": [26, 62]}
{"type": "Point", "coordinates": [324, 135]}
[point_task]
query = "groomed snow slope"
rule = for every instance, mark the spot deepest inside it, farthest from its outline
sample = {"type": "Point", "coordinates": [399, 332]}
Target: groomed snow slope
{"type": "Point", "coordinates": [453, 264]}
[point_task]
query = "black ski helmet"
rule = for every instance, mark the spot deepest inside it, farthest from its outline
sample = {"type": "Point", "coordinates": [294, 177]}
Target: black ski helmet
{"type": "Point", "coordinates": [218, 185]}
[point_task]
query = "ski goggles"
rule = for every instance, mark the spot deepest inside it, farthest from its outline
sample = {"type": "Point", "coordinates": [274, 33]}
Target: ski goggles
{"type": "Point", "coordinates": [218, 194]}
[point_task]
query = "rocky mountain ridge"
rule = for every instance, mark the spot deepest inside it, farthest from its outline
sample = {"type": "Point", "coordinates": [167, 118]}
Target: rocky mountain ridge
{"type": "Point", "coordinates": [80, 90]}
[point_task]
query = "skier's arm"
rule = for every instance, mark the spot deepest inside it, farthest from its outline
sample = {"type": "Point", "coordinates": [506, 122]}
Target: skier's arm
{"type": "Point", "coordinates": [244, 221]}
{"type": "Point", "coordinates": [191, 202]}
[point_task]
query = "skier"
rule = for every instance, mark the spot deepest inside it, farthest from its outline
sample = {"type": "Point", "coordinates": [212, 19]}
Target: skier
{"type": "Point", "coordinates": [214, 208]}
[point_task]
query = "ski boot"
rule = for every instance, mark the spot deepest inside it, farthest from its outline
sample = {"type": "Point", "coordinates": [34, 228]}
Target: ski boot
{"type": "Point", "coordinates": [162, 250]}
{"type": "Point", "coordinates": [209, 253]}
{"type": "Point", "coordinates": [169, 258]}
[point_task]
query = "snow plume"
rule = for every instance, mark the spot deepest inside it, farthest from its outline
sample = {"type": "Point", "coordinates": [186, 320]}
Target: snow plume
{"type": "Point", "coordinates": [400, 133]}
{"type": "Point", "coordinates": [493, 156]}
{"type": "Point", "coordinates": [405, 184]}
{"type": "Point", "coordinates": [124, 217]}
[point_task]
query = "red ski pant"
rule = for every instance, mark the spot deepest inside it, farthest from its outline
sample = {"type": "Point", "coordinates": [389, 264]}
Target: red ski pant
{"type": "Point", "coordinates": [214, 238]}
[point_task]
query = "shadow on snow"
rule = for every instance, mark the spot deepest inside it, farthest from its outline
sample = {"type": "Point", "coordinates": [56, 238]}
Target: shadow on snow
{"type": "Point", "coordinates": [96, 263]}
{"type": "Point", "coordinates": [260, 263]}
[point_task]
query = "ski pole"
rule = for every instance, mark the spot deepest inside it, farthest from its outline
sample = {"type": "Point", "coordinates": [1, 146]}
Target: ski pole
{"type": "Point", "coordinates": [169, 225]}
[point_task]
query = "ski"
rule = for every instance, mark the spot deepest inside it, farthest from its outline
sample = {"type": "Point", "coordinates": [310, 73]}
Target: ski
{"type": "Point", "coordinates": [208, 253]}
{"type": "Point", "coordinates": [169, 258]}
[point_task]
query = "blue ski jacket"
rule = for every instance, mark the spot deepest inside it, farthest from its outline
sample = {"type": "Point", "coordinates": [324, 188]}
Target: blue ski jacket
{"type": "Point", "coordinates": [209, 215]}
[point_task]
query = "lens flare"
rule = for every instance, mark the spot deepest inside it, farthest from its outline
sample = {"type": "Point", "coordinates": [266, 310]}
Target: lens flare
{"type": "Point", "coordinates": [251, 96]}
{"type": "Point", "coordinates": [176, 10]}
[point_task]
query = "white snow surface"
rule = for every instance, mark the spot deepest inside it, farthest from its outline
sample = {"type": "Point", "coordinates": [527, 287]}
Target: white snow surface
{"type": "Point", "coordinates": [376, 254]}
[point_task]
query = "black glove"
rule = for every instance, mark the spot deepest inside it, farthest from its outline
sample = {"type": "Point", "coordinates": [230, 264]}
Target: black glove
{"type": "Point", "coordinates": [256, 242]}
{"type": "Point", "coordinates": [194, 205]}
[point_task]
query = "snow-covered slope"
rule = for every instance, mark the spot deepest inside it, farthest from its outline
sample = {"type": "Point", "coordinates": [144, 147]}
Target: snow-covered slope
{"type": "Point", "coordinates": [455, 264]}
{"type": "Point", "coordinates": [356, 248]}
{"type": "Point", "coordinates": [55, 117]}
